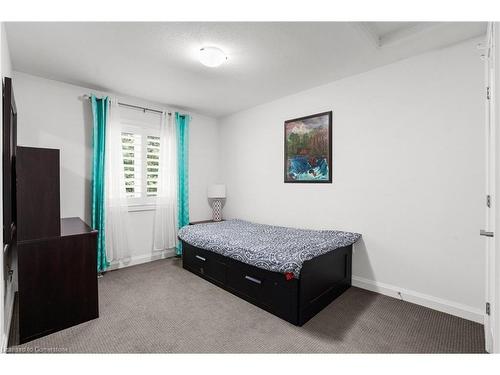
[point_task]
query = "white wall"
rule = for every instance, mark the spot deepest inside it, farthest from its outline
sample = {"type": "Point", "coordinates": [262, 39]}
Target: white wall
{"type": "Point", "coordinates": [7, 289]}
{"type": "Point", "coordinates": [52, 114]}
{"type": "Point", "coordinates": [408, 174]}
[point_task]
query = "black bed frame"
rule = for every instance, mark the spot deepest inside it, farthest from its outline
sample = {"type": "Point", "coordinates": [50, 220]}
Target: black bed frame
{"type": "Point", "coordinates": [322, 279]}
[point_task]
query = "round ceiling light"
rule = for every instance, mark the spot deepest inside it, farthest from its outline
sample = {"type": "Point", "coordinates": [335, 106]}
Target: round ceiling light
{"type": "Point", "coordinates": [212, 56]}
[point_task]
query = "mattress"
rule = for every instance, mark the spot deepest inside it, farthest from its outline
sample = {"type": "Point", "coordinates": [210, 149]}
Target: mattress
{"type": "Point", "coordinates": [274, 248]}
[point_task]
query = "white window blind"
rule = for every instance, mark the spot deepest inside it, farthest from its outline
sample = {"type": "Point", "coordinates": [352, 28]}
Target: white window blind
{"type": "Point", "coordinates": [141, 158]}
{"type": "Point", "coordinates": [152, 165]}
{"type": "Point", "coordinates": [132, 164]}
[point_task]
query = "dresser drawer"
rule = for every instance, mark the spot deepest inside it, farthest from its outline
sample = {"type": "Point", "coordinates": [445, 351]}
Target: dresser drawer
{"type": "Point", "coordinates": [204, 263]}
{"type": "Point", "coordinates": [57, 283]}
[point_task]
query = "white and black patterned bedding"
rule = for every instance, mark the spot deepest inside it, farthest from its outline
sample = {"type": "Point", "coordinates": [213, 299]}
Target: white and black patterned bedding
{"type": "Point", "coordinates": [273, 248]}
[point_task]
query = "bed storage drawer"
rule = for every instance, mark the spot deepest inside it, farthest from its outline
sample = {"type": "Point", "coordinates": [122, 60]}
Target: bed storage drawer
{"type": "Point", "coordinates": [251, 283]}
{"type": "Point", "coordinates": [269, 290]}
{"type": "Point", "coordinates": [297, 300]}
{"type": "Point", "coordinates": [204, 263]}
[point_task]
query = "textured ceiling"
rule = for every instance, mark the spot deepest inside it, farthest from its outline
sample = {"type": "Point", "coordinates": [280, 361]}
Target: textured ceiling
{"type": "Point", "coordinates": [157, 61]}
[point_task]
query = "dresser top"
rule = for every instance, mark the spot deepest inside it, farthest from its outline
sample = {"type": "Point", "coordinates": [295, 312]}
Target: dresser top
{"type": "Point", "coordinates": [71, 226]}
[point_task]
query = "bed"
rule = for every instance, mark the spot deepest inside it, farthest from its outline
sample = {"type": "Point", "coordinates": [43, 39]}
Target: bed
{"type": "Point", "coordinates": [291, 273]}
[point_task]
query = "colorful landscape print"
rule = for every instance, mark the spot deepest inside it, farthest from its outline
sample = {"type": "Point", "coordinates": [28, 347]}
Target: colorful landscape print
{"type": "Point", "coordinates": [308, 149]}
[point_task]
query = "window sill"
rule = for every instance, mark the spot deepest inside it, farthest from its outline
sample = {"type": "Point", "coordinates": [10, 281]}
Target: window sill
{"type": "Point", "coordinates": [141, 207]}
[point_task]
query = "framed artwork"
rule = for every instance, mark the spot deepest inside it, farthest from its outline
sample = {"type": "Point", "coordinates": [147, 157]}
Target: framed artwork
{"type": "Point", "coordinates": [308, 149]}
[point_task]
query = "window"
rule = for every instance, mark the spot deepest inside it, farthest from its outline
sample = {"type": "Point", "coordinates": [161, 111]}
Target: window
{"type": "Point", "coordinates": [141, 162]}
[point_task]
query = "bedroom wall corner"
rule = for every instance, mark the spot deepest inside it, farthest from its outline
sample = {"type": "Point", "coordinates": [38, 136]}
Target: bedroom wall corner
{"type": "Point", "coordinates": [203, 164]}
{"type": "Point", "coordinates": [408, 174]}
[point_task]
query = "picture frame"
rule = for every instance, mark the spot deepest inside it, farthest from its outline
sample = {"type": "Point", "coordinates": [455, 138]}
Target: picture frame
{"type": "Point", "coordinates": [308, 143]}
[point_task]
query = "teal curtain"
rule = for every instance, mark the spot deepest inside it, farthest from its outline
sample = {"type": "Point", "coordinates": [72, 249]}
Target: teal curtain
{"type": "Point", "coordinates": [100, 117]}
{"type": "Point", "coordinates": [182, 127]}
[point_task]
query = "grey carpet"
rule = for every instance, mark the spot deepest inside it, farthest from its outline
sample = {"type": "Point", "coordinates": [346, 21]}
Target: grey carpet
{"type": "Point", "coordinates": [160, 307]}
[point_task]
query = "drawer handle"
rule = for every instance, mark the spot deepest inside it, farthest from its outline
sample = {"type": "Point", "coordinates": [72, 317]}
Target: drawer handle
{"type": "Point", "coordinates": [253, 279]}
{"type": "Point", "coordinates": [200, 258]}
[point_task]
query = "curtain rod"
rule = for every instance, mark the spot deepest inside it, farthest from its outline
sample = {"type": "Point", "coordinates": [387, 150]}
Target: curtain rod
{"type": "Point", "coordinates": [133, 106]}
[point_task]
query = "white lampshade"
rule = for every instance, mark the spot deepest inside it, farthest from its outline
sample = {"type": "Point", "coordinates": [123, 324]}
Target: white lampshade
{"type": "Point", "coordinates": [217, 191]}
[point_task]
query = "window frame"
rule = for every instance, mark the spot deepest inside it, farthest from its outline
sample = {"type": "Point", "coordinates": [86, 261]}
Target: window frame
{"type": "Point", "coordinates": [142, 203]}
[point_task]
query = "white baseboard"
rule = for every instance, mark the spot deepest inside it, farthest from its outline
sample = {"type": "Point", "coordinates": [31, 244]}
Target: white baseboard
{"type": "Point", "coordinates": [140, 259]}
{"type": "Point", "coordinates": [435, 303]}
{"type": "Point", "coordinates": [3, 348]}
{"type": "Point", "coordinates": [9, 312]}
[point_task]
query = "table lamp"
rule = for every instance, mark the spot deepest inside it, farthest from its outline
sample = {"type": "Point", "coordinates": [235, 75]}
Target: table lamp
{"type": "Point", "coordinates": [217, 193]}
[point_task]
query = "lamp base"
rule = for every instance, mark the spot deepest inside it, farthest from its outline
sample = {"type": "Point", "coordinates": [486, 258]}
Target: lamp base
{"type": "Point", "coordinates": [216, 210]}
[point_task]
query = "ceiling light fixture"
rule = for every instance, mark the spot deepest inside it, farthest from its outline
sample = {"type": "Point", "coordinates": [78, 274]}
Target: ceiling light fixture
{"type": "Point", "coordinates": [212, 56]}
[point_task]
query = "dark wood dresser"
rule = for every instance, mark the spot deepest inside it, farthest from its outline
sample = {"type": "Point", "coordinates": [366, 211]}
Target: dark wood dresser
{"type": "Point", "coordinates": [57, 265]}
